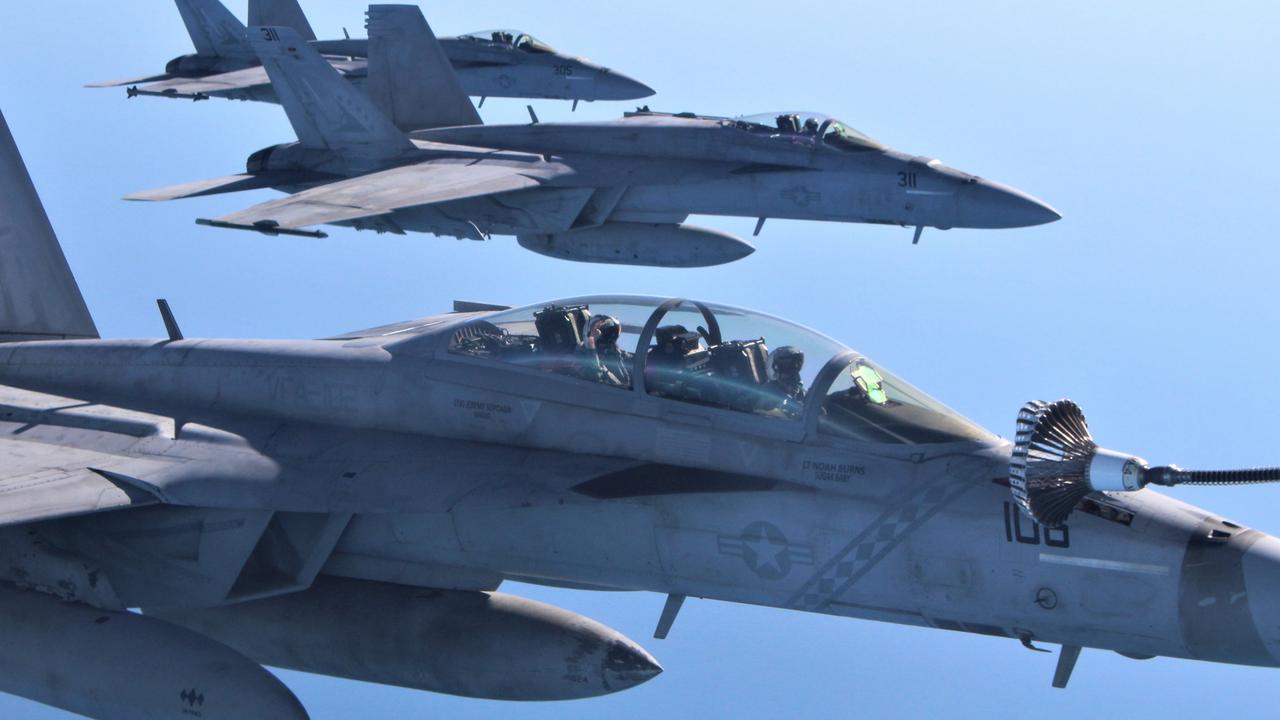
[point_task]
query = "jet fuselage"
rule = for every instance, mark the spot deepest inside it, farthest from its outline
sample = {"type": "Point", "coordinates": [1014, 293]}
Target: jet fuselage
{"type": "Point", "coordinates": [484, 70]}
{"type": "Point", "coordinates": [472, 472]}
{"type": "Point", "coordinates": [746, 172]}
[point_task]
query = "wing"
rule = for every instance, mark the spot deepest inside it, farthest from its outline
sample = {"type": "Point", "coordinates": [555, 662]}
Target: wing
{"type": "Point", "coordinates": [59, 458]}
{"type": "Point", "coordinates": [45, 482]}
{"type": "Point", "coordinates": [248, 84]}
{"type": "Point", "coordinates": [229, 184]}
{"type": "Point", "coordinates": [130, 81]}
{"type": "Point", "coordinates": [222, 84]}
{"type": "Point", "coordinates": [380, 194]}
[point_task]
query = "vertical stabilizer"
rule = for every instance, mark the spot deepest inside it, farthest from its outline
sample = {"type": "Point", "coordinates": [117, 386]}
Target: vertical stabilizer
{"type": "Point", "coordinates": [39, 298]}
{"type": "Point", "coordinates": [214, 30]}
{"type": "Point", "coordinates": [327, 112]}
{"type": "Point", "coordinates": [280, 13]}
{"type": "Point", "coordinates": [410, 77]}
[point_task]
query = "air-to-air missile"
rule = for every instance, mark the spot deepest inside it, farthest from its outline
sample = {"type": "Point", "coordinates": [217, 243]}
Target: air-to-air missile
{"type": "Point", "coordinates": [351, 505]}
{"type": "Point", "coordinates": [610, 192]}
{"type": "Point", "coordinates": [495, 63]}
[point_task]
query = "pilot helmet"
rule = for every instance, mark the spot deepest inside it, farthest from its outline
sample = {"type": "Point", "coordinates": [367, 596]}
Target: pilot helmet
{"type": "Point", "coordinates": [787, 361]}
{"type": "Point", "coordinates": [608, 327]}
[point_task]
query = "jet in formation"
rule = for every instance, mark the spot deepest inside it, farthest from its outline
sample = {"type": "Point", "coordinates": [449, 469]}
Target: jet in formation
{"type": "Point", "coordinates": [496, 63]}
{"type": "Point", "coordinates": [412, 155]}
{"type": "Point", "coordinates": [350, 506]}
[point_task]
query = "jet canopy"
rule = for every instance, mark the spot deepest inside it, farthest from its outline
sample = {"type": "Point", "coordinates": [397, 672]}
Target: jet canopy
{"type": "Point", "coordinates": [510, 38]}
{"type": "Point", "coordinates": [716, 356]}
{"type": "Point", "coordinates": [813, 127]}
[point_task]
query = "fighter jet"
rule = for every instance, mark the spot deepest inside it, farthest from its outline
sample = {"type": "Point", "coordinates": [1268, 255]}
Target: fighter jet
{"type": "Point", "coordinates": [350, 506]}
{"type": "Point", "coordinates": [608, 192]}
{"type": "Point", "coordinates": [497, 63]}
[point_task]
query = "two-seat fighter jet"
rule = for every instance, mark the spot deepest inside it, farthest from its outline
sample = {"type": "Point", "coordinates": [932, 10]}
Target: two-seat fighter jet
{"type": "Point", "coordinates": [350, 506]}
{"type": "Point", "coordinates": [498, 63]}
{"type": "Point", "coordinates": [607, 192]}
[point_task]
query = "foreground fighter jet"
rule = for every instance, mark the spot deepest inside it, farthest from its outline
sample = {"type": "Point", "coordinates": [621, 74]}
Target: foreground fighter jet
{"type": "Point", "coordinates": [612, 192]}
{"type": "Point", "coordinates": [499, 63]}
{"type": "Point", "coordinates": [349, 506]}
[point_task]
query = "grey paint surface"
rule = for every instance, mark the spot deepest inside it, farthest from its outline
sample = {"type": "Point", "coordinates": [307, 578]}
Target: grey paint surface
{"type": "Point", "coordinates": [225, 67]}
{"type": "Point", "coordinates": [384, 458]}
{"type": "Point", "coordinates": [612, 192]}
{"type": "Point", "coordinates": [467, 643]}
{"type": "Point", "coordinates": [72, 656]}
{"type": "Point", "coordinates": [39, 297]}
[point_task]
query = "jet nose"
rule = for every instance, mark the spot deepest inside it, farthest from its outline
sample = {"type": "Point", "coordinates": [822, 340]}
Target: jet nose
{"type": "Point", "coordinates": [627, 665]}
{"type": "Point", "coordinates": [612, 85]}
{"type": "Point", "coordinates": [987, 204]}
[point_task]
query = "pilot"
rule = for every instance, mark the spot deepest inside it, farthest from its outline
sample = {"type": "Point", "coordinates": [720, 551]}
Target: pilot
{"type": "Point", "coordinates": [811, 126]}
{"type": "Point", "coordinates": [786, 389]}
{"type": "Point", "coordinates": [604, 361]}
{"type": "Point", "coordinates": [789, 123]}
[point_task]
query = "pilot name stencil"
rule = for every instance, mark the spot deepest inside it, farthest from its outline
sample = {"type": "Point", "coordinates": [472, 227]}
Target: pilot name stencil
{"type": "Point", "coordinates": [833, 472]}
{"type": "Point", "coordinates": [481, 409]}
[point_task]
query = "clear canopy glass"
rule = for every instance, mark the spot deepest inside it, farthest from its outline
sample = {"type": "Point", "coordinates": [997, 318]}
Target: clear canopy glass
{"type": "Point", "coordinates": [712, 354]}
{"type": "Point", "coordinates": [715, 356]}
{"type": "Point", "coordinates": [557, 337]}
{"type": "Point", "coordinates": [510, 38]}
{"type": "Point", "coordinates": [868, 403]}
{"type": "Point", "coordinates": [815, 126]}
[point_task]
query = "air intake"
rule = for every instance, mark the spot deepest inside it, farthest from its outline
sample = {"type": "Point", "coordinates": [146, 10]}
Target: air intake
{"type": "Point", "coordinates": [1056, 464]}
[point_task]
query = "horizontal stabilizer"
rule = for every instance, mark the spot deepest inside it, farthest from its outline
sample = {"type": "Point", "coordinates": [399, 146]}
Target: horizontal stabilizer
{"type": "Point", "coordinates": [229, 184]}
{"type": "Point", "coordinates": [382, 193]}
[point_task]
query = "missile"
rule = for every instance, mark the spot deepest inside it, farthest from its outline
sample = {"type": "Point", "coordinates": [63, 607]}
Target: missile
{"type": "Point", "coordinates": [616, 243]}
{"type": "Point", "coordinates": [121, 666]}
{"type": "Point", "coordinates": [473, 644]}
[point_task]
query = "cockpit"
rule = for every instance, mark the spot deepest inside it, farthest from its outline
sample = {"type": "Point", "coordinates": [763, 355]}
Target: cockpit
{"type": "Point", "coordinates": [512, 39]}
{"type": "Point", "coordinates": [807, 127]}
{"type": "Point", "coordinates": [718, 357]}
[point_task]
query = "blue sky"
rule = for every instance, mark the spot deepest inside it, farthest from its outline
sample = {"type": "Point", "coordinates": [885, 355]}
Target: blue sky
{"type": "Point", "coordinates": [1154, 303]}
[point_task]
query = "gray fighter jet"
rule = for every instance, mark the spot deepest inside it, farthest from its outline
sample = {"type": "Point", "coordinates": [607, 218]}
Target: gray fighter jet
{"type": "Point", "coordinates": [350, 506]}
{"type": "Point", "coordinates": [611, 192]}
{"type": "Point", "coordinates": [497, 63]}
